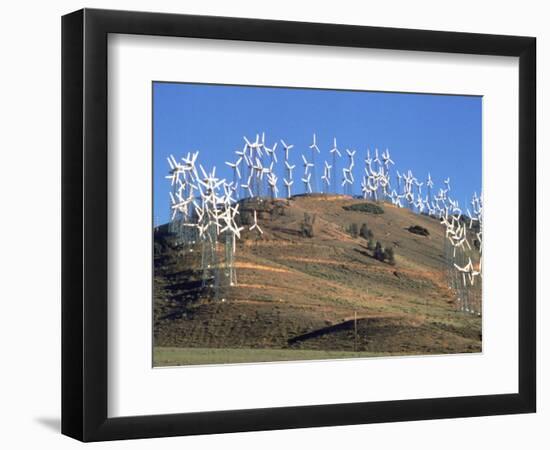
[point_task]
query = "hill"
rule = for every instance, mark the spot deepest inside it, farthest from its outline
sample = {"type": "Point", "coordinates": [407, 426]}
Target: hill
{"type": "Point", "coordinates": [326, 292]}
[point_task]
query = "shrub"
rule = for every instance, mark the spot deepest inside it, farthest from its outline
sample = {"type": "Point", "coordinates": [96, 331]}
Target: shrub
{"type": "Point", "coordinates": [308, 225]}
{"type": "Point", "coordinates": [417, 229]}
{"type": "Point", "coordinates": [371, 245]}
{"type": "Point", "coordinates": [353, 230]}
{"type": "Point", "coordinates": [246, 218]}
{"type": "Point", "coordinates": [390, 257]}
{"type": "Point", "coordinates": [370, 208]}
{"type": "Point", "coordinates": [365, 233]}
{"type": "Point", "coordinates": [278, 210]}
{"type": "Point", "coordinates": [379, 253]}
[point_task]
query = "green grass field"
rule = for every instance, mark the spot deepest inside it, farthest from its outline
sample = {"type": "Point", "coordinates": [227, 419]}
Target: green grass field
{"type": "Point", "coordinates": [172, 356]}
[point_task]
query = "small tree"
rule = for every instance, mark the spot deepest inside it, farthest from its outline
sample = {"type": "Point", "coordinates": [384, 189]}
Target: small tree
{"type": "Point", "coordinates": [278, 210]}
{"type": "Point", "coordinates": [308, 225]}
{"type": "Point", "coordinates": [246, 218]}
{"type": "Point", "coordinates": [365, 232]}
{"type": "Point", "coordinates": [379, 252]}
{"type": "Point", "coordinates": [353, 230]}
{"type": "Point", "coordinates": [390, 257]}
{"type": "Point", "coordinates": [371, 244]}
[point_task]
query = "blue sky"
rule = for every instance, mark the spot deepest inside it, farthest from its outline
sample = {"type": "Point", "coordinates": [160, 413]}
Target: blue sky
{"type": "Point", "coordinates": [440, 134]}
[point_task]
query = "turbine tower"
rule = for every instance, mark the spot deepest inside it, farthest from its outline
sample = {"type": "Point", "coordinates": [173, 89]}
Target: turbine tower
{"type": "Point", "coordinates": [429, 186]}
{"type": "Point", "coordinates": [288, 167]}
{"type": "Point", "coordinates": [326, 178]}
{"type": "Point", "coordinates": [307, 174]}
{"type": "Point", "coordinates": [236, 172]}
{"type": "Point", "coordinates": [348, 173]}
{"type": "Point", "coordinates": [288, 185]}
{"type": "Point", "coordinates": [335, 154]}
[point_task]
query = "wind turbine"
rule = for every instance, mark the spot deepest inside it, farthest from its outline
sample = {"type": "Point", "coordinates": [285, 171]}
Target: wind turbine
{"type": "Point", "coordinates": [314, 148]}
{"type": "Point", "coordinates": [349, 171]}
{"type": "Point", "coordinates": [307, 183]}
{"type": "Point", "coordinates": [365, 187]}
{"type": "Point", "coordinates": [326, 178]}
{"type": "Point", "coordinates": [429, 186]}
{"type": "Point", "coordinates": [399, 177]}
{"type": "Point", "coordinates": [255, 225]}
{"type": "Point", "coordinates": [335, 152]}
{"type": "Point", "coordinates": [272, 182]}
{"type": "Point", "coordinates": [376, 158]}
{"type": "Point", "coordinates": [385, 170]}
{"type": "Point", "coordinates": [175, 170]}
{"type": "Point", "coordinates": [271, 152]}
{"type": "Point", "coordinates": [307, 165]}
{"type": "Point", "coordinates": [288, 184]}
{"type": "Point", "coordinates": [287, 148]}
{"type": "Point", "coordinates": [236, 171]}
{"type": "Point", "coordinates": [289, 169]}
{"type": "Point", "coordinates": [248, 188]}
{"type": "Point", "coordinates": [386, 159]}
{"type": "Point", "coordinates": [347, 179]}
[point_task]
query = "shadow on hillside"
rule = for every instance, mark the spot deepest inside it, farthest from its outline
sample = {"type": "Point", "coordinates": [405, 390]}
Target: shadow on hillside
{"type": "Point", "coordinates": [347, 325]}
{"type": "Point", "coordinates": [364, 253]}
{"type": "Point", "coordinates": [289, 231]}
{"type": "Point", "coordinates": [185, 293]}
{"type": "Point", "coordinates": [187, 285]}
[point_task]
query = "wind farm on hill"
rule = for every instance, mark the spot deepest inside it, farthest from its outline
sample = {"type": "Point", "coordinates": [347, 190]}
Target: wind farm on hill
{"type": "Point", "coordinates": [276, 265]}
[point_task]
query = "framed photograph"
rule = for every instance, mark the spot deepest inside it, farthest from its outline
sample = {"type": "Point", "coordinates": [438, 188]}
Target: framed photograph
{"type": "Point", "coordinates": [273, 224]}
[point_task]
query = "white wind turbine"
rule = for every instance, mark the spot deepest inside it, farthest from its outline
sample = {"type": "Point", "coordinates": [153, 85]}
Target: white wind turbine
{"type": "Point", "coordinates": [307, 183]}
{"type": "Point", "coordinates": [335, 153]}
{"type": "Point", "coordinates": [248, 185]}
{"type": "Point", "coordinates": [385, 172]}
{"type": "Point", "coordinates": [307, 165]}
{"type": "Point", "coordinates": [288, 185]}
{"type": "Point", "coordinates": [347, 181]}
{"type": "Point", "coordinates": [257, 179]}
{"type": "Point", "coordinates": [288, 166]}
{"type": "Point", "coordinates": [272, 182]}
{"type": "Point", "coordinates": [286, 148]}
{"type": "Point", "coordinates": [179, 204]}
{"type": "Point", "coordinates": [271, 152]}
{"type": "Point", "coordinates": [314, 148]}
{"type": "Point", "coordinates": [351, 155]}
{"type": "Point", "coordinates": [418, 185]}
{"type": "Point", "coordinates": [349, 171]}
{"type": "Point", "coordinates": [386, 159]}
{"type": "Point", "coordinates": [399, 177]}
{"type": "Point", "coordinates": [326, 177]}
{"type": "Point", "coordinates": [365, 187]}
{"type": "Point", "coordinates": [289, 169]}
{"type": "Point", "coordinates": [254, 146]}
{"type": "Point", "coordinates": [255, 225]}
{"type": "Point", "coordinates": [236, 171]}
{"type": "Point", "coordinates": [429, 186]}
{"type": "Point", "coordinates": [377, 159]}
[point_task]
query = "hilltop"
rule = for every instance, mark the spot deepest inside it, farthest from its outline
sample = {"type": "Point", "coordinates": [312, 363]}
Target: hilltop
{"type": "Point", "coordinates": [297, 292]}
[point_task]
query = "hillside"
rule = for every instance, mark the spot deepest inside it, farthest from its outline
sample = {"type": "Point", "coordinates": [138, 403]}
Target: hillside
{"type": "Point", "coordinates": [297, 292]}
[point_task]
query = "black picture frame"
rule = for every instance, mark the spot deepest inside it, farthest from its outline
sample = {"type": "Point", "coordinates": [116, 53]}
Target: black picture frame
{"type": "Point", "coordinates": [84, 224]}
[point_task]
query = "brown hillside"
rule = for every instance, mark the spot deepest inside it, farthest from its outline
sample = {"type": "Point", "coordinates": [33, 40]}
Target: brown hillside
{"type": "Point", "coordinates": [303, 292]}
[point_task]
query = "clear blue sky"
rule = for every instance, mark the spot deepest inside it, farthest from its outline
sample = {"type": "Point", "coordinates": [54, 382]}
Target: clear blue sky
{"type": "Point", "coordinates": [436, 133]}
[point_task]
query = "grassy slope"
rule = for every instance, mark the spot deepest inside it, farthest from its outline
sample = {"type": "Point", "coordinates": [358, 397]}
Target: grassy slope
{"type": "Point", "coordinates": [291, 287]}
{"type": "Point", "coordinates": [173, 356]}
